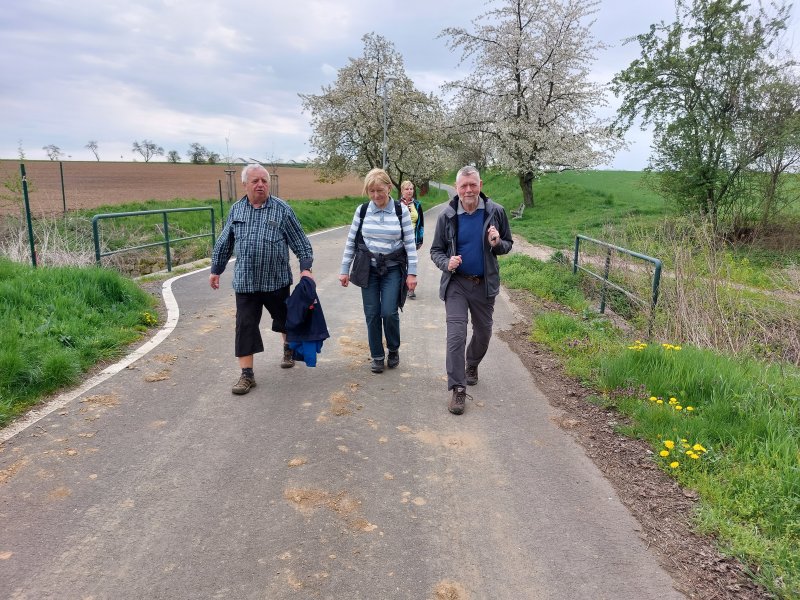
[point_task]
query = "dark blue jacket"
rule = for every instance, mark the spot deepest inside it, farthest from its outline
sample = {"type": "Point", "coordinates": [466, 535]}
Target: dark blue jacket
{"type": "Point", "coordinates": [305, 322]}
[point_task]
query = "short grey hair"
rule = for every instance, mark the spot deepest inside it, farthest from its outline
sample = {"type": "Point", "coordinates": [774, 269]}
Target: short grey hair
{"type": "Point", "coordinates": [252, 166]}
{"type": "Point", "coordinates": [468, 170]}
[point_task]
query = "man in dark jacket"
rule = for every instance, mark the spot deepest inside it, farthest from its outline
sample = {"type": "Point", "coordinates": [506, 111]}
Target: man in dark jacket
{"type": "Point", "coordinates": [470, 233]}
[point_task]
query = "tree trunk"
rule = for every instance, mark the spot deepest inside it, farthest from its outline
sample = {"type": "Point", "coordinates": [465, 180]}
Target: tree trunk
{"type": "Point", "coordinates": [526, 185]}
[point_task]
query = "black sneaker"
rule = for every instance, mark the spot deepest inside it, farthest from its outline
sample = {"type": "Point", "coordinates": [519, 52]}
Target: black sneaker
{"type": "Point", "coordinates": [376, 366]}
{"type": "Point", "coordinates": [394, 359]}
{"type": "Point", "coordinates": [243, 385]}
{"type": "Point", "coordinates": [472, 374]}
{"type": "Point", "coordinates": [458, 400]}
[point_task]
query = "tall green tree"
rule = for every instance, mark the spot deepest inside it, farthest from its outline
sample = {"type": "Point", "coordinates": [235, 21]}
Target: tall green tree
{"type": "Point", "coordinates": [530, 80]}
{"type": "Point", "coordinates": [699, 83]}
{"type": "Point", "coordinates": [374, 100]}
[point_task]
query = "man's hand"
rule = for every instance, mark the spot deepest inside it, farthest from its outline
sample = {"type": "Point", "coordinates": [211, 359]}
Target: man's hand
{"type": "Point", "coordinates": [454, 263]}
{"type": "Point", "coordinates": [306, 273]}
{"type": "Point", "coordinates": [493, 235]}
{"type": "Point", "coordinates": [344, 280]}
{"type": "Point", "coordinates": [213, 280]}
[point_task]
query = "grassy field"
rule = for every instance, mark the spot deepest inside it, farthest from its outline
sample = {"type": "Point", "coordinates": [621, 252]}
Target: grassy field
{"type": "Point", "coordinates": [618, 207]}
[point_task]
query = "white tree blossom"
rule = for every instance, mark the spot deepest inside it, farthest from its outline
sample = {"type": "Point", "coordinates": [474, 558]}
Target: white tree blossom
{"type": "Point", "coordinates": [531, 78]}
{"type": "Point", "coordinates": [348, 119]}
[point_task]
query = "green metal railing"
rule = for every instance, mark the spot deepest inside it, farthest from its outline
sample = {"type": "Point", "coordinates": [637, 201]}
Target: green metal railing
{"type": "Point", "coordinates": [606, 270]}
{"type": "Point", "coordinates": [167, 241]}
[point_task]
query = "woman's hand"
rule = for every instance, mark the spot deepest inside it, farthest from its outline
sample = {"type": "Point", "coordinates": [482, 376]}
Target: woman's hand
{"type": "Point", "coordinates": [344, 280]}
{"type": "Point", "coordinates": [411, 282]}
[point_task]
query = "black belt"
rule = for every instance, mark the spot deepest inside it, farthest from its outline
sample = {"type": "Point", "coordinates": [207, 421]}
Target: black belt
{"type": "Point", "coordinates": [476, 279]}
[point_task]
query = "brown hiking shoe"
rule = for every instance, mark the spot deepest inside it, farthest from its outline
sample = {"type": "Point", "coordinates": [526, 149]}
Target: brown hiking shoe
{"type": "Point", "coordinates": [472, 374]}
{"type": "Point", "coordinates": [243, 385]}
{"type": "Point", "coordinates": [288, 358]}
{"type": "Point", "coordinates": [458, 400]}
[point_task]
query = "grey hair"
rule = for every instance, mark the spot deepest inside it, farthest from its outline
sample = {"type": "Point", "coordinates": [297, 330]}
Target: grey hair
{"type": "Point", "coordinates": [468, 170]}
{"type": "Point", "coordinates": [250, 167]}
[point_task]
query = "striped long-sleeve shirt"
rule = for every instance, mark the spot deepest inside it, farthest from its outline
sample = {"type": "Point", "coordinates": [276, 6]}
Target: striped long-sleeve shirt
{"type": "Point", "coordinates": [261, 238]}
{"type": "Point", "coordinates": [382, 234]}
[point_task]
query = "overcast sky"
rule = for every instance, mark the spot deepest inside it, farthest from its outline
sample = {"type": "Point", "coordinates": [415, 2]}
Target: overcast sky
{"type": "Point", "coordinates": [179, 71]}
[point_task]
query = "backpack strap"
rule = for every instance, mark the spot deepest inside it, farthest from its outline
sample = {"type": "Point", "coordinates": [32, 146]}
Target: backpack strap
{"type": "Point", "coordinates": [362, 211]}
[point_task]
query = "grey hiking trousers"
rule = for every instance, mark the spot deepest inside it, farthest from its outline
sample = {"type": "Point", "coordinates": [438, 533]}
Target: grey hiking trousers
{"type": "Point", "coordinates": [465, 300]}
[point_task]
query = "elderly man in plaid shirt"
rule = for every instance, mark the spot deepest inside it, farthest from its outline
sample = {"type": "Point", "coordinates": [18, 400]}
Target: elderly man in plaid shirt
{"type": "Point", "coordinates": [261, 229]}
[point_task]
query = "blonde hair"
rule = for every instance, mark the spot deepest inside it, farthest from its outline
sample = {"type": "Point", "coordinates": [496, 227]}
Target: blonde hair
{"type": "Point", "coordinates": [377, 177]}
{"type": "Point", "coordinates": [406, 183]}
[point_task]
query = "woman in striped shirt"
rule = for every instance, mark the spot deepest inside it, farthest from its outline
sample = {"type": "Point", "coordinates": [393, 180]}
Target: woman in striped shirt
{"type": "Point", "coordinates": [381, 238]}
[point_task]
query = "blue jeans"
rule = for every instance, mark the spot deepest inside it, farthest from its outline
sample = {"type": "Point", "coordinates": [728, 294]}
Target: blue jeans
{"type": "Point", "coordinates": [380, 298]}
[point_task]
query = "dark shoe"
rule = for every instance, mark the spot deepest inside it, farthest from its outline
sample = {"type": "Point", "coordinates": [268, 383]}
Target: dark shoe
{"type": "Point", "coordinates": [376, 366]}
{"type": "Point", "coordinates": [394, 359]}
{"type": "Point", "coordinates": [288, 358]}
{"type": "Point", "coordinates": [472, 374]}
{"type": "Point", "coordinates": [411, 294]}
{"type": "Point", "coordinates": [243, 385]}
{"type": "Point", "coordinates": [458, 400]}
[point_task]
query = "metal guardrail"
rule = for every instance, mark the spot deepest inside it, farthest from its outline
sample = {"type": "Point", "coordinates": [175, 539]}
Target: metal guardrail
{"type": "Point", "coordinates": [167, 241]}
{"type": "Point", "coordinates": [607, 268]}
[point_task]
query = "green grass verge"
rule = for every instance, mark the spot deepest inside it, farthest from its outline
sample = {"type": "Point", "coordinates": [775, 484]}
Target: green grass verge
{"type": "Point", "coordinates": [58, 322]}
{"type": "Point", "coordinates": [724, 426]}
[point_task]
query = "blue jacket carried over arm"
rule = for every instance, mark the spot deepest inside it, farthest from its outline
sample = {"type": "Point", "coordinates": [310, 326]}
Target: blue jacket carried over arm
{"type": "Point", "coordinates": [305, 322]}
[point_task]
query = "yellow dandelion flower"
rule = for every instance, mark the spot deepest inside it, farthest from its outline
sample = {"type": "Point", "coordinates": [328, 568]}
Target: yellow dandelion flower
{"type": "Point", "coordinates": [690, 408]}
{"type": "Point", "coordinates": [676, 348]}
{"type": "Point", "coordinates": [674, 464]}
{"type": "Point", "coordinates": [659, 401]}
{"type": "Point", "coordinates": [684, 440]}
{"type": "Point", "coordinates": [669, 444]}
{"type": "Point", "coordinates": [678, 407]}
{"type": "Point", "coordinates": [698, 448]}
{"type": "Point", "coordinates": [694, 456]}
{"type": "Point", "coordinates": [664, 453]}
{"type": "Point", "coordinates": [653, 398]}
{"type": "Point", "coordinates": [673, 400]}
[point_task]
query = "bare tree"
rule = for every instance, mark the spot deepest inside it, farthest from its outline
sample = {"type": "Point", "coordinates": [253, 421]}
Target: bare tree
{"type": "Point", "coordinates": [147, 149]}
{"type": "Point", "coordinates": [173, 156]}
{"type": "Point", "coordinates": [20, 149]}
{"type": "Point", "coordinates": [92, 145]}
{"type": "Point", "coordinates": [53, 151]}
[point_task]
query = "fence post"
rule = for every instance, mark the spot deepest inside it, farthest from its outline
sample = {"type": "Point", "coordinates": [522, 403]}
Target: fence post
{"type": "Point", "coordinates": [575, 259]}
{"type": "Point", "coordinates": [166, 242]}
{"type": "Point", "coordinates": [63, 193]}
{"type": "Point", "coordinates": [28, 212]}
{"type": "Point", "coordinates": [607, 270]}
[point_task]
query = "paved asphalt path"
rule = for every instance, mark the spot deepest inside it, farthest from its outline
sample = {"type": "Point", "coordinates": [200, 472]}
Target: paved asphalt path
{"type": "Point", "coordinates": [326, 482]}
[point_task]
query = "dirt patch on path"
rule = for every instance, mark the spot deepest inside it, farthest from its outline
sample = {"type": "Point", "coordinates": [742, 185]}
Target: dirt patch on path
{"type": "Point", "coordinates": [90, 184]}
{"type": "Point", "coordinates": [658, 503]}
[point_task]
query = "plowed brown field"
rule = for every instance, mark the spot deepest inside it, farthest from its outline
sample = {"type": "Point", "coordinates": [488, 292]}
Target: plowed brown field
{"type": "Point", "coordinates": [90, 184]}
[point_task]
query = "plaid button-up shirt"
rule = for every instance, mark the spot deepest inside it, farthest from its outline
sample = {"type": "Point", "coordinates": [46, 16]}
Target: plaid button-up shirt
{"type": "Point", "coordinates": [261, 239]}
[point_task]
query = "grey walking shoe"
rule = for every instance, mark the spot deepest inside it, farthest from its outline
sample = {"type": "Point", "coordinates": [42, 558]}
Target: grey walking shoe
{"type": "Point", "coordinates": [458, 400]}
{"type": "Point", "coordinates": [376, 366]}
{"type": "Point", "coordinates": [394, 359]}
{"type": "Point", "coordinates": [472, 374]}
{"type": "Point", "coordinates": [243, 385]}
